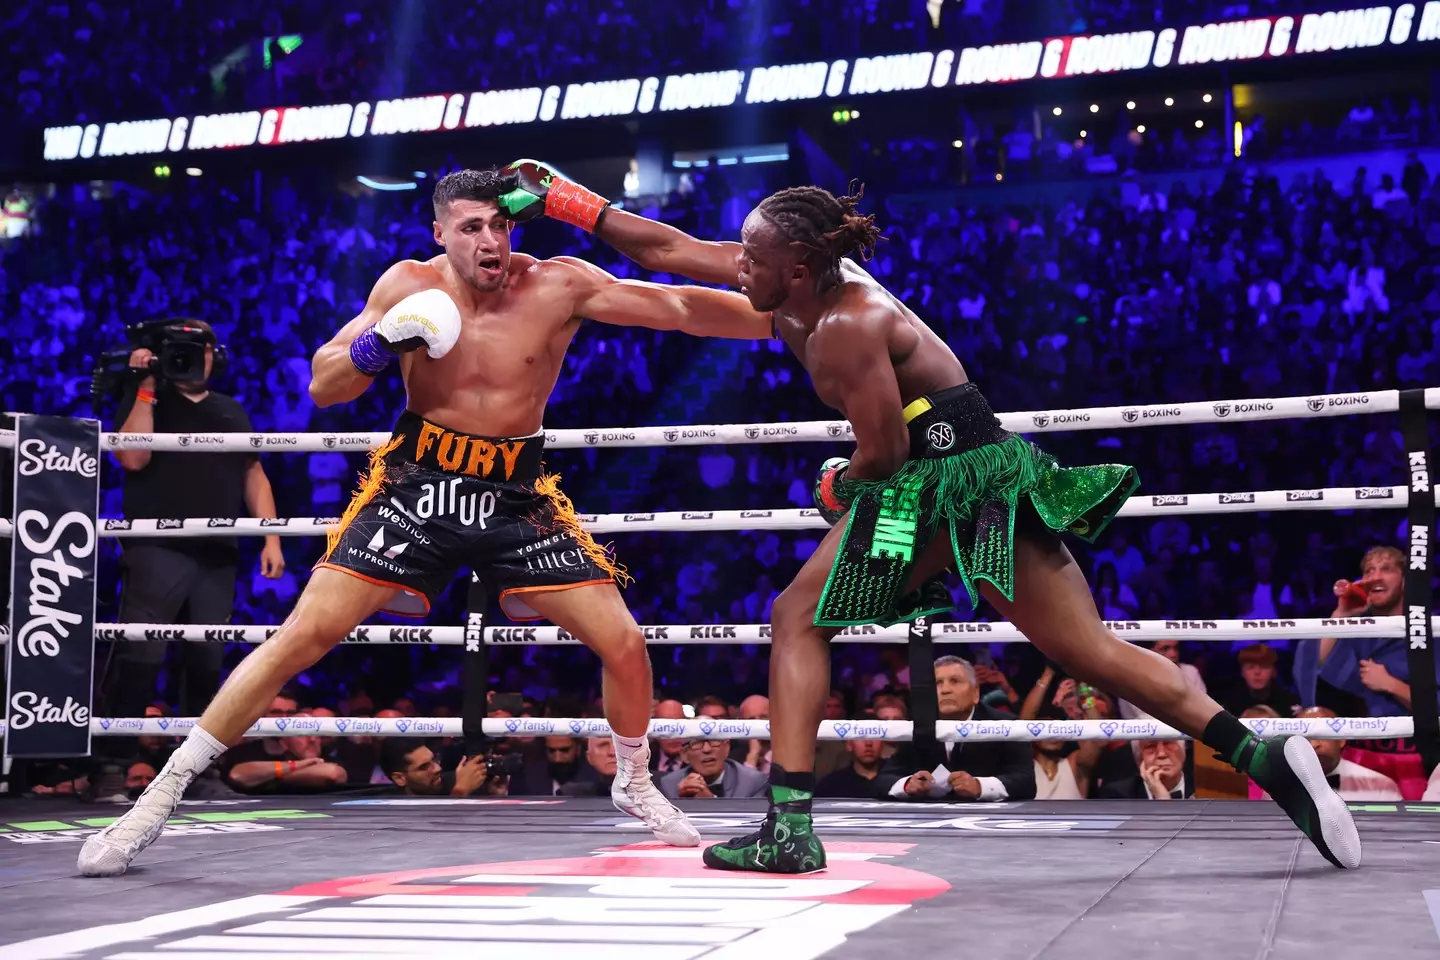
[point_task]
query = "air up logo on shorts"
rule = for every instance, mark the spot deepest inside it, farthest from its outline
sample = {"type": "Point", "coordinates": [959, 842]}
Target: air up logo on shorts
{"type": "Point", "coordinates": [895, 526]}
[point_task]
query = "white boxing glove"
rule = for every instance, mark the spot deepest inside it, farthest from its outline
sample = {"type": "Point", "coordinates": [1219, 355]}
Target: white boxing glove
{"type": "Point", "coordinates": [429, 317]}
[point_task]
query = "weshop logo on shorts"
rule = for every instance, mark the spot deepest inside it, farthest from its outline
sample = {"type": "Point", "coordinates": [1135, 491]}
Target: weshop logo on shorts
{"type": "Point", "coordinates": [643, 897]}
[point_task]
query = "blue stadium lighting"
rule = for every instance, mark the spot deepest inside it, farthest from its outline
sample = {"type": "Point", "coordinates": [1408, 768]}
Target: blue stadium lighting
{"type": "Point", "coordinates": [377, 185]}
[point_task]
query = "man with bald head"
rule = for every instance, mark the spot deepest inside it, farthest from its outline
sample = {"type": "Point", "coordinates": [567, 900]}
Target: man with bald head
{"type": "Point", "coordinates": [754, 754]}
{"type": "Point", "coordinates": [670, 755]}
{"type": "Point", "coordinates": [1352, 781]}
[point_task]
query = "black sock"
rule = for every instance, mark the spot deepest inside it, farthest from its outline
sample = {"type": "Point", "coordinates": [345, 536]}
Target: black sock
{"type": "Point", "coordinates": [791, 791]}
{"type": "Point", "coordinates": [1231, 739]}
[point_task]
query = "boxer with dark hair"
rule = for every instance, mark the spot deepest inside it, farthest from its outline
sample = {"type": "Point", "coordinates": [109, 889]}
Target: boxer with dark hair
{"type": "Point", "coordinates": [935, 483]}
{"type": "Point", "coordinates": [480, 335]}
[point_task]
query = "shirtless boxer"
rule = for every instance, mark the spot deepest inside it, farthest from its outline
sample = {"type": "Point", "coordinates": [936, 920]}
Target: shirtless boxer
{"type": "Point", "coordinates": [935, 483]}
{"type": "Point", "coordinates": [460, 482]}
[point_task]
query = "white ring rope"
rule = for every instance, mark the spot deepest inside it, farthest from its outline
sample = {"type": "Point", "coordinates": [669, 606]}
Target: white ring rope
{"type": "Point", "coordinates": [741, 633]}
{"type": "Point", "coordinates": [1029, 421]}
{"type": "Point", "coordinates": [695, 521]}
{"type": "Point", "coordinates": [1318, 728]}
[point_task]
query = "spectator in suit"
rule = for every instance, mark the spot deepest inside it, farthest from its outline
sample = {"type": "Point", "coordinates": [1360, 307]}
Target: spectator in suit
{"type": "Point", "coordinates": [668, 756]}
{"type": "Point", "coordinates": [709, 772]}
{"type": "Point", "coordinates": [753, 753]}
{"type": "Point", "coordinates": [1161, 777]}
{"type": "Point", "coordinates": [975, 771]}
{"type": "Point", "coordinates": [1349, 779]}
{"type": "Point", "coordinates": [597, 773]}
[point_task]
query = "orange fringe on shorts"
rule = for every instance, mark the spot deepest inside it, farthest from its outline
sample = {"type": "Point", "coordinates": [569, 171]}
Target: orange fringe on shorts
{"type": "Point", "coordinates": [548, 486]}
{"type": "Point", "coordinates": [371, 481]}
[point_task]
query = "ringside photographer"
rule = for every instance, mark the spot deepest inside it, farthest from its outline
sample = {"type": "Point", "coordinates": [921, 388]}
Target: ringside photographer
{"type": "Point", "coordinates": [164, 388]}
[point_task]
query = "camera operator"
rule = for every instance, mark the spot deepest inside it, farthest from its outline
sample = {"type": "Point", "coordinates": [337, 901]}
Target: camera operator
{"type": "Point", "coordinates": [182, 580]}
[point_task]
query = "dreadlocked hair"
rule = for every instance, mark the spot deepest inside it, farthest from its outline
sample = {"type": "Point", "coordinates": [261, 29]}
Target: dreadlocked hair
{"type": "Point", "coordinates": [830, 227]}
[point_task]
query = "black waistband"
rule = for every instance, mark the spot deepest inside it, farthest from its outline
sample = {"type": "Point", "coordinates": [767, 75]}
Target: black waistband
{"type": "Point", "coordinates": [500, 460]}
{"type": "Point", "coordinates": [957, 419]}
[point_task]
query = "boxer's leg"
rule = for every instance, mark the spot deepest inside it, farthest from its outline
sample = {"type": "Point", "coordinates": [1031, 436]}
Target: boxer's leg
{"type": "Point", "coordinates": [333, 604]}
{"type": "Point", "coordinates": [1055, 610]}
{"type": "Point", "coordinates": [598, 617]}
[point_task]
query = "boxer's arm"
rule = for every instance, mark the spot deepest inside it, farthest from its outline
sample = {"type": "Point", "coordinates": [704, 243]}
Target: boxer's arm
{"type": "Point", "coordinates": [851, 356]}
{"type": "Point", "coordinates": [699, 311]}
{"type": "Point", "coordinates": [334, 378]}
{"type": "Point", "coordinates": [661, 247]}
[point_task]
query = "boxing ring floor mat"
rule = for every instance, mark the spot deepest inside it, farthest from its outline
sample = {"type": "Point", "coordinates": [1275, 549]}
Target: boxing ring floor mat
{"type": "Point", "coordinates": [385, 877]}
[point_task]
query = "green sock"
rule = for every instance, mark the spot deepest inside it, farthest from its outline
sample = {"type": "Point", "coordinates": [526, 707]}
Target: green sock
{"type": "Point", "coordinates": [791, 792]}
{"type": "Point", "coordinates": [1234, 743]}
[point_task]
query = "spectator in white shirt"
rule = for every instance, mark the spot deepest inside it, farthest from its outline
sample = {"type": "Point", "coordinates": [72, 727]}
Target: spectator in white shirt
{"type": "Point", "coordinates": [1352, 781]}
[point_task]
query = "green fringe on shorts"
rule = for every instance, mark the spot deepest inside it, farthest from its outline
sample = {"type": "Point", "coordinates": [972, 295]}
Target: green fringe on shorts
{"type": "Point", "coordinates": [973, 497]}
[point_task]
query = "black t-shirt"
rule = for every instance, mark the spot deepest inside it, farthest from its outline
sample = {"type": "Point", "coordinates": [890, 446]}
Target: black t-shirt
{"type": "Point", "coordinates": [180, 485]}
{"type": "Point", "coordinates": [845, 782]}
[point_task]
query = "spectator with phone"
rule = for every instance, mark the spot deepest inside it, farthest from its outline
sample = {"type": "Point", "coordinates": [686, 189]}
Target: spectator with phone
{"type": "Point", "coordinates": [960, 771]}
{"type": "Point", "coordinates": [1063, 768]}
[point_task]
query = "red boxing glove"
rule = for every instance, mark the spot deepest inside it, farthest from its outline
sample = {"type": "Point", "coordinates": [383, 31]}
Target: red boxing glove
{"type": "Point", "coordinates": [542, 190]}
{"type": "Point", "coordinates": [832, 494]}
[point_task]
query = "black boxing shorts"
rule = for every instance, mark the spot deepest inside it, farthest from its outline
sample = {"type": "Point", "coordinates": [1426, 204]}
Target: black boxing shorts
{"type": "Point", "coordinates": [435, 500]}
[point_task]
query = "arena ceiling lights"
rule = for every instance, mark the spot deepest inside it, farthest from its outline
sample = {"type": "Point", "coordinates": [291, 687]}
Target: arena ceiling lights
{"type": "Point", "coordinates": [1401, 25]}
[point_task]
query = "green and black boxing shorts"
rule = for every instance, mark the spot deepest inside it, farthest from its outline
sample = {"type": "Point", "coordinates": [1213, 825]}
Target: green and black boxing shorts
{"type": "Point", "coordinates": [966, 477]}
{"type": "Point", "coordinates": [435, 500]}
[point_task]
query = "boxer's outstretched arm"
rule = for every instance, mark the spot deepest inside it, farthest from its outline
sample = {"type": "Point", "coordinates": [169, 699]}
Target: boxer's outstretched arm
{"type": "Point", "coordinates": [333, 377]}
{"type": "Point", "coordinates": [699, 311]}
{"type": "Point", "coordinates": [661, 247]}
{"type": "Point", "coordinates": [851, 359]}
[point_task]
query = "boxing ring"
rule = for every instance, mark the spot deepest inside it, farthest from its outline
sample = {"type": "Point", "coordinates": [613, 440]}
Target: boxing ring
{"type": "Point", "coordinates": [377, 876]}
